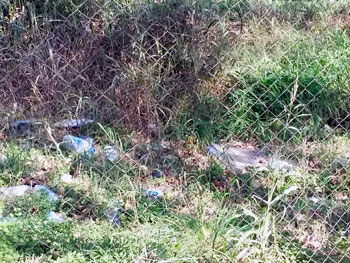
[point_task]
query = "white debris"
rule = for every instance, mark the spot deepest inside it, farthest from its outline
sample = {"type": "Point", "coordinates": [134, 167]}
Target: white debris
{"type": "Point", "coordinates": [280, 165]}
{"type": "Point", "coordinates": [66, 178]}
{"type": "Point", "coordinates": [290, 189]}
{"type": "Point", "coordinates": [72, 123]}
{"type": "Point", "coordinates": [110, 152]}
{"type": "Point", "coordinates": [21, 190]}
{"type": "Point", "coordinates": [13, 191]}
{"type": "Point", "coordinates": [314, 199]}
{"type": "Point", "coordinates": [236, 158]}
{"type": "Point", "coordinates": [3, 159]}
{"type": "Point", "coordinates": [7, 219]}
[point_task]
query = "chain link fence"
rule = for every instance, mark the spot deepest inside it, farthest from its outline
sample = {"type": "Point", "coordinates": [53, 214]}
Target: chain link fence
{"type": "Point", "coordinates": [174, 131]}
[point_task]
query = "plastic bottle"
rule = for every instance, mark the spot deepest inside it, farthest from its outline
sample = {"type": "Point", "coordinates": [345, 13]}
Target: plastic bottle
{"type": "Point", "coordinates": [78, 145]}
{"type": "Point", "coordinates": [111, 153]}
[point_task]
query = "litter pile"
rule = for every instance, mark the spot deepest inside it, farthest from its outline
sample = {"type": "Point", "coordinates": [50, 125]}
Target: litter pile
{"type": "Point", "coordinates": [238, 159]}
{"type": "Point", "coordinates": [81, 145]}
{"type": "Point", "coordinates": [235, 157]}
{"type": "Point", "coordinates": [21, 190]}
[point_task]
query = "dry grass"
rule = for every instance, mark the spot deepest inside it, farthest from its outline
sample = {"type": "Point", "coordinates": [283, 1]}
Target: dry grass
{"type": "Point", "coordinates": [135, 69]}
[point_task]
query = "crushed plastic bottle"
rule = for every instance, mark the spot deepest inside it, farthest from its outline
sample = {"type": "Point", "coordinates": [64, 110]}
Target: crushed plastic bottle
{"type": "Point", "coordinates": [114, 218]}
{"type": "Point", "coordinates": [88, 139]}
{"type": "Point", "coordinates": [55, 217]}
{"type": "Point", "coordinates": [43, 189]}
{"type": "Point", "coordinates": [78, 145]}
{"type": "Point", "coordinates": [113, 214]}
{"type": "Point", "coordinates": [153, 193]}
{"type": "Point", "coordinates": [110, 152]}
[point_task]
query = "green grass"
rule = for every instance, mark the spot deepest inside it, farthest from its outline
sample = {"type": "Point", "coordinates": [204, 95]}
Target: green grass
{"type": "Point", "coordinates": [193, 222]}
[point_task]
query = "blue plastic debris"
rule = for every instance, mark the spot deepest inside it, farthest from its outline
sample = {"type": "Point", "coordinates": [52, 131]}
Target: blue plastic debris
{"type": "Point", "coordinates": [113, 214]}
{"type": "Point", "coordinates": [78, 145]}
{"type": "Point", "coordinates": [51, 195]}
{"type": "Point", "coordinates": [55, 217]}
{"type": "Point", "coordinates": [23, 127]}
{"type": "Point", "coordinates": [156, 174]}
{"type": "Point", "coordinates": [114, 218]}
{"type": "Point", "coordinates": [154, 193]}
{"type": "Point", "coordinates": [17, 124]}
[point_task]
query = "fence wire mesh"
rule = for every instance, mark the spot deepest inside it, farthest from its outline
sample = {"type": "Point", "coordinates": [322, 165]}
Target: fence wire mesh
{"type": "Point", "coordinates": [174, 131]}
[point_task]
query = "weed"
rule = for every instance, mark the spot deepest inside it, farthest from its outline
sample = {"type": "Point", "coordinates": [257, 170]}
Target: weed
{"type": "Point", "coordinates": [15, 165]}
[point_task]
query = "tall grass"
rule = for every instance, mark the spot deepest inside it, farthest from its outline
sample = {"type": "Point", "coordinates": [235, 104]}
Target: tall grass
{"type": "Point", "coordinates": [158, 63]}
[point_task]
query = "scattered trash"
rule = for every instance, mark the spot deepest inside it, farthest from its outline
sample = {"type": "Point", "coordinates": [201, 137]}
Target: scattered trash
{"type": "Point", "coordinates": [255, 184]}
{"type": "Point", "coordinates": [14, 191]}
{"type": "Point", "coordinates": [51, 216]}
{"type": "Point", "coordinates": [66, 178]}
{"type": "Point", "coordinates": [154, 193]}
{"type": "Point", "coordinates": [3, 159]}
{"type": "Point", "coordinates": [23, 123]}
{"type": "Point", "coordinates": [20, 190]}
{"type": "Point", "coordinates": [290, 189]}
{"type": "Point", "coordinates": [88, 139]}
{"type": "Point", "coordinates": [340, 163]}
{"type": "Point", "coordinates": [236, 158]}
{"type": "Point", "coordinates": [347, 231]}
{"type": "Point", "coordinates": [156, 173]}
{"type": "Point", "coordinates": [43, 189]}
{"type": "Point", "coordinates": [111, 153]}
{"type": "Point", "coordinates": [114, 218]}
{"type": "Point", "coordinates": [113, 215]}
{"type": "Point", "coordinates": [8, 219]}
{"type": "Point", "coordinates": [78, 145]}
{"type": "Point", "coordinates": [314, 199]}
{"type": "Point", "coordinates": [55, 217]}
{"type": "Point", "coordinates": [23, 127]}
{"type": "Point", "coordinates": [72, 123]}
{"type": "Point", "coordinates": [280, 165]}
